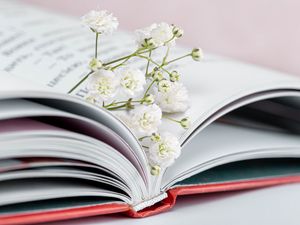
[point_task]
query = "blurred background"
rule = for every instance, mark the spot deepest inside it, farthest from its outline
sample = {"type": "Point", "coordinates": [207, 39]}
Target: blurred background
{"type": "Point", "coordinates": [264, 32]}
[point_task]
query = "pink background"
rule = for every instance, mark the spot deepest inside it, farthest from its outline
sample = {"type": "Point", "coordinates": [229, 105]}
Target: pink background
{"type": "Point", "coordinates": [264, 32]}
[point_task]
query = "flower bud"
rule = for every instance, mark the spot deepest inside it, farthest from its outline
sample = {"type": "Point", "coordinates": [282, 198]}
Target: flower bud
{"type": "Point", "coordinates": [157, 75]}
{"type": "Point", "coordinates": [155, 137]}
{"type": "Point", "coordinates": [148, 99]}
{"type": "Point", "coordinates": [177, 31]}
{"type": "Point", "coordinates": [197, 54]}
{"type": "Point", "coordinates": [155, 170]}
{"type": "Point", "coordinates": [148, 43]}
{"type": "Point", "coordinates": [95, 64]}
{"type": "Point", "coordinates": [185, 122]}
{"type": "Point", "coordinates": [129, 104]}
{"type": "Point", "coordinates": [174, 76]}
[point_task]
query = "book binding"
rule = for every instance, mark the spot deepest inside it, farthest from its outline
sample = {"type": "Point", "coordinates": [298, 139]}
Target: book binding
{"type": "Point", "coordinates": [150, 202]}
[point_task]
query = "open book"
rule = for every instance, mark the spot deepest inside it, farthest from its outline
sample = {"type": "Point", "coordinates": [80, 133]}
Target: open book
{"type": "Point", "coordinates": [62, 157]}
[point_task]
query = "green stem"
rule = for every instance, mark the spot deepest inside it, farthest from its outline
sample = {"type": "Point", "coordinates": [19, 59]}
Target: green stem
{"type": "Point", "coordinates": [120, 64]}
{"type": "Point", "coordinates": [142, 138]}
{"type": "Point", "coordinates": [127, 57]}
{"type": "Point", "coordinates": [155, 63]}
{"type": "Point", "coordinates": [148, 89]}
{"type": "Point", "coordinates": [171, 119]}
{"type": "Point", "coordinates": [121, 102]}
{"type": "Point", "coordinates": [148, 63]}
{"type": "Point", "coordinates": [80, 82]}
{"type": "Point", "coordinates": [148, 50]}
{"type": "Point", "coordinates": [166, 56]}
{"type": "Point", "coordinates": [86, 76]}
{"type": "Point", "coordinates": [176, 59]}
{"type": "Point", "coordinates": [116, 107]}
{"type": "Point", "coordinates": [96, 45]}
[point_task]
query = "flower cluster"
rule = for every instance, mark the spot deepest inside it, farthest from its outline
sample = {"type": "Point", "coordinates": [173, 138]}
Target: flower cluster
{"type": "Point", "coordinates": [141, 99]}
{"type": "Point", "coordinates": [163, 149]}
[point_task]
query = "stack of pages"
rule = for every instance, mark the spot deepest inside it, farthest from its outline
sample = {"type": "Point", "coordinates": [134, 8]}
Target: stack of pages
{"type": "Point", "coordinates": [62, 157]}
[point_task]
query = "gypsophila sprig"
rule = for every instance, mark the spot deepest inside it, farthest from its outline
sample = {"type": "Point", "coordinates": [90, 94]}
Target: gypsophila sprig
{"type": "Point", "coordinates": [141, 99]}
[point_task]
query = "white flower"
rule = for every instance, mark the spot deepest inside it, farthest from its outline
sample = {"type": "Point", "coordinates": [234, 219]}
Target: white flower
{"type": "Point", "coordinates": [172, 97]}
{"type": "Point", "coordinates": [162, 33]}
{"type": "Point", "coordinates": [101, 22]}
{"type": "Point", "coordinates": [155, 137]}
{"type": "Point", "coordinates": [95, 64]}
{"type": "Point", "coordinates": [132, 81]}
{"type": "Point", "coordinates": [163, 153]}
{"type": "Point", "coordinates": [143, 120]}
{"type": "Point", "coordinates": [164, 86]}
{"type": "Point", "coordinates": [159, 34]}
{"type": "Point", "coordinates": [103, 83]}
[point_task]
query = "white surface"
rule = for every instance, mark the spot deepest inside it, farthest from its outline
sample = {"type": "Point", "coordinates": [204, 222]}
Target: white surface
{"type": "Point", "coordinates": [273, 205]}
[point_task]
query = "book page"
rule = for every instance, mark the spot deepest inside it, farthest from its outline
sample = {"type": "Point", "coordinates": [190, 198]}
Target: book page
{"type": "Point", "coordinates": [37, 190]}
{"type": "Point", "coordinates": [53, 50]}
{"type": "Point", "coordinates": [48, 49]}
{"type": "Point", "coordinates": [36, 139]}
{"type": "Point", "coordinates": [219, 144]}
